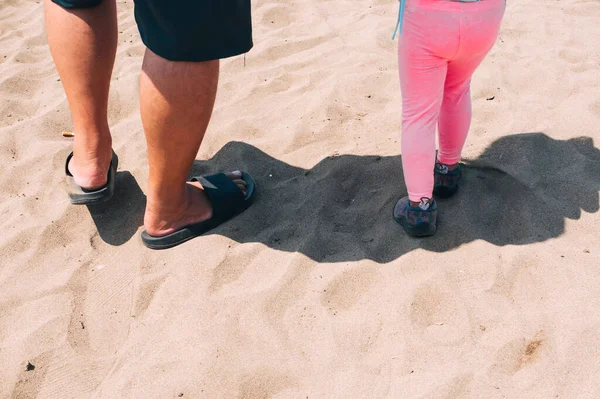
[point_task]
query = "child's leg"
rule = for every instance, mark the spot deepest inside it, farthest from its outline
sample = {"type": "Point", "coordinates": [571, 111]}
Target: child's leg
{"type": "Point", "coordinates": [422, 76]}
{"type": "Point", "coordinates": [422, 90]}
{"type": "Point", "coordinates": [479, 29]}
{"type": "Point", "coordinates": [455, 114]}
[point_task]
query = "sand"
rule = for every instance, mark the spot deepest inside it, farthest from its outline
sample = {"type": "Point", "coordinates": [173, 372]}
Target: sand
{"type": "Point", "coordinates": [315, 292]}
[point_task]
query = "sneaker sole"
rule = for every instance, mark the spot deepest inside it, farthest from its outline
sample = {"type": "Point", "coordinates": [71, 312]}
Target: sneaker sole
{"type": "Point", "coordinates": [419, 230]}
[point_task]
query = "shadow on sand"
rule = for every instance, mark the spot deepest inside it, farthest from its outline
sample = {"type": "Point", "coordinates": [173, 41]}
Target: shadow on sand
{"type": "Point", "coordinates": [518, 192]}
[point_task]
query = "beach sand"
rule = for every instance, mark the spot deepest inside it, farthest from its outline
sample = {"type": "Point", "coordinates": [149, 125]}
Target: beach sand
{"type": "Point", "coordinates": [315, 292]}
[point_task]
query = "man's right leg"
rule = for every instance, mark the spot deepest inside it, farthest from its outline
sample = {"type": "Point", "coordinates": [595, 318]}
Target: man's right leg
{"type": "Point", "coordinates": [178, 85]}
{"type": "Point", "coordinates": [177, 99]}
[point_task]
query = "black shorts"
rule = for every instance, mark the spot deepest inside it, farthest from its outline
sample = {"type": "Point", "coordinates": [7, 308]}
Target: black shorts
{"type": "Point", "coordinates": [189, 30]}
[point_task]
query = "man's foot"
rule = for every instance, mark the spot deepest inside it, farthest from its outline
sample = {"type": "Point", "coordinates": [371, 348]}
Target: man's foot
{"type": "Point", "coordinates": [418, 221]}
{"type": "Point", "coordinates": [90, 171]}
{"type": "Point", "coordinates": [195, 208]}
{"type": "Point", "coordinates": [446, 179]}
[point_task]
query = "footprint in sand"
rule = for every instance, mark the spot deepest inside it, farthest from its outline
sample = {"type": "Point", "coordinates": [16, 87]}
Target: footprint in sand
{"type": "Point", "coordinates": [264, 383]}
{"type": "Point", "coordinates": [458, 387]}
{"type": "Point", "coordinates": [146, 294]}
{"type": "Point", "coordinates": [519, 354]}
{"type": "Point", "coordinates": [291, 288]}
{"type": "Point", "coordinates": [232, 267]}
{"type": "Point", "coordinates": [348, 289]}
{"type": "Point", "coordinates": [293, 47]}
{"type": "Point", "coordinates": [439, 316]}
{"type": "Point", "coordinates": [572, 56]}
{"type": "Point", "coordinates": [102, 313]}
{"type": "Point", "coordinates": [30, 381]}
{"type": "Point", "coordinates": [276, 16]}
{"type": "Point", "coordinates": [583, 9]}
{"type": "Point", "coordinates": [595, 108]}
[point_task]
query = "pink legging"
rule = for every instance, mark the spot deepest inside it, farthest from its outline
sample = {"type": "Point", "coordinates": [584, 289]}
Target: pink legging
{"type": "Point", "coordinates": [442, 44]}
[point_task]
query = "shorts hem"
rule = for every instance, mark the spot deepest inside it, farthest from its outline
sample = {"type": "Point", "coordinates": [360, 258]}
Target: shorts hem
{"type": "Point", "coordinates": [77, 4]}
{"type": "Point", "coordinates": [199, 56]}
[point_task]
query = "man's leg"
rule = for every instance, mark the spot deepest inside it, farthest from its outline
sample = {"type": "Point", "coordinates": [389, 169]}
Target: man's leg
{"type": "Point", "coordinates": [83, 42]}
{"type": "Point", "coordinates": [177, 99]}
{"type": "Point", "coordinates": [178, 85]}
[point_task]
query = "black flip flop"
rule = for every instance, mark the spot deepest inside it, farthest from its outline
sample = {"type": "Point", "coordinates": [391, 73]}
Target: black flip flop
{"type": "Point", "coordinates": [227, 201]}
{"type": "Point", "coordinates": [82, 196]}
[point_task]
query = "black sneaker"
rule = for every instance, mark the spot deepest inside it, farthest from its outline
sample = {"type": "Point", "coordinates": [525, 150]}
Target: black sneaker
{"type": "Point", "coordinates": [418, 221]}
{"type": "Point", "coordinates": [446, 181]}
